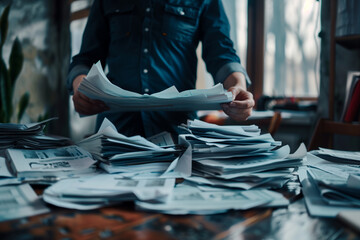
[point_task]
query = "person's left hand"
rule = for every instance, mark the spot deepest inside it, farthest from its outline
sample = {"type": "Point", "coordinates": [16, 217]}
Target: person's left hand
{"type": "Point", "coordinates": [243, 101]}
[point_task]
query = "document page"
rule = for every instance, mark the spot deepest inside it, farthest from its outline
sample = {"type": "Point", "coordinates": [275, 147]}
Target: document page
{"type": "Point", "coordinates": [55, 162]}
{"type": "Point", "coordinates": [97, 86]}
{"type": "Point", "coordinates": [19, 201]}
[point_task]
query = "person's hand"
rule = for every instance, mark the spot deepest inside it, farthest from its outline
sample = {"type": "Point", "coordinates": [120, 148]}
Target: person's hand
{"type": "Point", "coordinates": [243, 101]}
{"type": "Point", "coordinates": [83, 104]}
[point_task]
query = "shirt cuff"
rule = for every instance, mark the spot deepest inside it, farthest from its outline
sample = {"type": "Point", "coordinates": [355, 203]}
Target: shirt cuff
{"type": "Point", "coordinates": [74, 72]}
{"type": "Point", "coordinates": [229, 68]}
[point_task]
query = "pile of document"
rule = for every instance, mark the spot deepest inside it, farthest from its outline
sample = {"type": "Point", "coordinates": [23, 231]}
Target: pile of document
{"type": "Point", "coordinates": [29, 136]}
{"type": "Point", "coordinates": [6, 175]}
{"type": "Point", "coordinates": [337, 156]}
{"type": "Point", "coordinates": [106, 189]}
{"type": "Point", "coordinates": [20, 201]}
{"type": "Point", "coordinates": [49, 164]}
{"type": "Point", "coordinates": [188, 199]}
{"type": "Point", "coordinates": [97, 86]}
{"type": "Point", "coordinates": [136, 156]}
{"type": "Point", "coordinates": [330, 187]}
{"type": "Point", "coordinates": [238, 156]}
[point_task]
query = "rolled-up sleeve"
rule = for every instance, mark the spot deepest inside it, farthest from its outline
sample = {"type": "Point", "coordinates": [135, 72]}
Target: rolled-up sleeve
{"type": "Point", "coordinates": [229, 68]}
{"type": "Point", "coordinates": [217, 47]}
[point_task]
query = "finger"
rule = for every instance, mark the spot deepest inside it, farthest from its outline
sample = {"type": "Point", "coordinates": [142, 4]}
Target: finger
{"type": "Point", "coordinates": [83, 98]}
{"type": "Point", "coordinates": [235, 92]}
{"type": "Point", "coordinates": [244, 95]}
{"type": "Point", "coordinates": [85, 110]}
{"type": "Point", "coordinates": [85, 107]}
{"type": "Point", "coordinates": [236, 113]}
{"type": "Point", "coordinates": [244, 104]}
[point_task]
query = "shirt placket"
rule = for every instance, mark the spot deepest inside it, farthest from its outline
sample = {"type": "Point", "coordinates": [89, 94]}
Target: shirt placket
{"type": "Point", "coordinates": [145, 69]}
{"type": "Point", "coordinates": [145, 44]}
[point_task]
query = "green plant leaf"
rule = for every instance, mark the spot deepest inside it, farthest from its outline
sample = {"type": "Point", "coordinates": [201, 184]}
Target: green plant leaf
{"type": "Point", "coordinates": [24, 102]}
{"type": "Point", "coordinates": [16, 60]}
{"type": "Point", "coordinates": [4, 24]}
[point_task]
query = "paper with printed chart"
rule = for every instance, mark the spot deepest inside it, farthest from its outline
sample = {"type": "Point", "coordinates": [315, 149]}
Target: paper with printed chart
{"type": "Point", "coordinates": [50, 163]}
{"type": "Point", "coordinates": [97, 86]}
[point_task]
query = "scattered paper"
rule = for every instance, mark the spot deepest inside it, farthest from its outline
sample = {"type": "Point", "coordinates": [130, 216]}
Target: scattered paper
{"type": "Point", "coordinates": [97, 86]}
{"type": "Point", "coordinates": [19, 201]}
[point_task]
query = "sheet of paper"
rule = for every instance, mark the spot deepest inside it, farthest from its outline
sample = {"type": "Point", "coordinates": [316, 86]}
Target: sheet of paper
{"type": "Point", "coordinates": [190, 200]}
{"type": "Point", "coordinates": [4, 170]}
{"type": "Point", "coordinates": [145, 189]}
{"type": "Point", "coordinates": [91, 192]}
{"type": "Point", "coordinates": [97, 86]}
{"type": "Point", "coordinates": [163, 139]}
{"type": "Point", "coordinates": [226, 130]}
{"type": "Point", "coordinates": [340, 156]}
{"type": "Point", "coordinates": [315, 204]}
{"type": "Point", "coordinates": [49, 162]}
{"type": "Point", "coordinates": [19, 201]}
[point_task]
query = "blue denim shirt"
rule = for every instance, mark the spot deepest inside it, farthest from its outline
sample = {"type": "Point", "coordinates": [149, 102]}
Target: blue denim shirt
{"type": "Point", "coordinates": [150, 45]}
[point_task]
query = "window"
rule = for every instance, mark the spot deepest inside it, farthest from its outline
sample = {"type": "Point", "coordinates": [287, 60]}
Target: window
{"type": "Point", "coordinates": [291, 56]}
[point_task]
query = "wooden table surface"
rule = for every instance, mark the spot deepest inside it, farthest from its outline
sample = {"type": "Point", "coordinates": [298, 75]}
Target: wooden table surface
{"type": "Point", "coordinates": [125, 222]}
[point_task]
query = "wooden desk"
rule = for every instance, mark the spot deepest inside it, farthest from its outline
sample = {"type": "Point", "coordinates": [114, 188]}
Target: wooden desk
{"type": "Point", "coordinates": [124, 222]}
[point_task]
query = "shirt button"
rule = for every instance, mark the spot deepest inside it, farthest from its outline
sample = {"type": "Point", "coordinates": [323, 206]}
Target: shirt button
{"type": "Point", "coordinates": [181, 11]}
{"type": "Point", "coordinates": [145, 70]}
{"type": "Point", "coordinates": [146, 90]}
{"type": "Point", "coordinates": [146, 50]}
{"type": "Point", "coordinates": [146, 29]}
{"type": "Point", "coordinates": [147, 9]}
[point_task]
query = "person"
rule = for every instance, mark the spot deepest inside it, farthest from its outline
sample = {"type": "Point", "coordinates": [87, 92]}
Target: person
{"type": "Point", "coordinates": [150, 45]}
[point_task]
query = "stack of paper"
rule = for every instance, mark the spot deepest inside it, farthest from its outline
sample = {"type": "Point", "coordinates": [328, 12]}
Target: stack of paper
{"type": "Point", "coordinates": [29, 136]}
{"type": "Point", "coordinates": [6, 176]}
{"type": "Point", "coordinates": [328, 187]}
{"type": "Point", "coordinates": [187, 199]}
{"type": "Point", "coordinates": [238, 156]}
{"type": "Point", "coordinates": [106, 189]}
{"type": "Point", "coordinates": [49, 164]}
{"type": "Point", "coordinates": [135, 155]}
{"type": "Point", "coordinates": [97, 86]}
{"type": "Point", "coordinates": [350, 157]}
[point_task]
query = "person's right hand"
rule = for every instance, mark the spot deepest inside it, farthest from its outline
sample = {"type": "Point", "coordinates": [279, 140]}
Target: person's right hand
{"type": "Point", "coordinates": [83, 104]}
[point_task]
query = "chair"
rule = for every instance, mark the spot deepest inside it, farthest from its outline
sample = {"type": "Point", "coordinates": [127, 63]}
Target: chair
{"type": "Point", "coordinates": [274, 123]}
{"type": "Point", "coordinates": [326, 129]}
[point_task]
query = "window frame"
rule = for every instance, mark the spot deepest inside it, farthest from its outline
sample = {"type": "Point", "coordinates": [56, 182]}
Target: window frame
{"type": "Point", "coordinates": [255, 55]}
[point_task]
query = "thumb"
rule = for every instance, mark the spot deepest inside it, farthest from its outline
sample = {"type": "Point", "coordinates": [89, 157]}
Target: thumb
{"type": "Point", "coordinates": [235, 91]}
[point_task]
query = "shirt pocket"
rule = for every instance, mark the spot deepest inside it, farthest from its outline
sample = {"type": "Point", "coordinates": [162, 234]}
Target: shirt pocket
{"type": "Point", "coordinates": [180, 22]}
{"type": "Point", "coordinates": [120, 17]}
